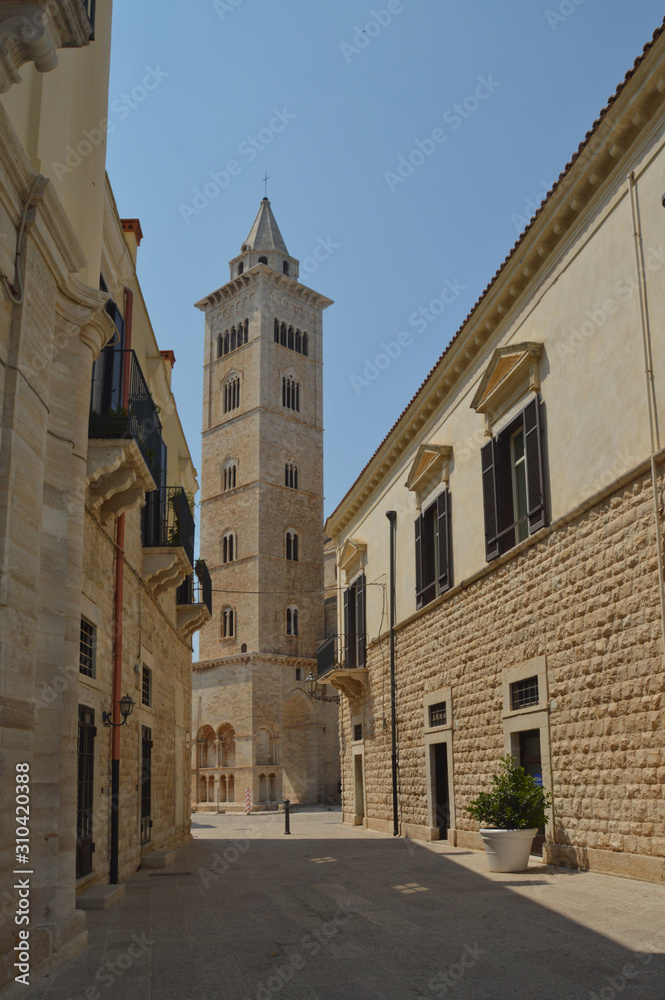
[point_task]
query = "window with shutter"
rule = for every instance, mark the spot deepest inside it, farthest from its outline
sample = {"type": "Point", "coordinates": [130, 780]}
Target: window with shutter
{"type": "Point", "coordinates": [354, 623]}
{"type": "Point", "coordinates": [433, 550]}
{"type": "Point", "coordinates": [514, 482]}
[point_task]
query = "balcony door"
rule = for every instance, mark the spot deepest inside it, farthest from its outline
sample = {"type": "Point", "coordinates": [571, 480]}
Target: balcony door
{"type": "Point", "coordinates": [146, 784]}
{"type": "Point", "coordinates": [85, 786]}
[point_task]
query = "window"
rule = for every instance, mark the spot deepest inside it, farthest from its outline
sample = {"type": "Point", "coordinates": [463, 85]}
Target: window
{"type": "Point", "coordinates": [305, 344]}
{"type": "Point", "coordinates": [241, 267]}
{"type": "Point", "coordinates": [354, 623]}
{"type": "Point", "coordinates": [524, 693]}
{"type": "Point", "coordinates": [298, 673]}
{"type": "Point", "coordinates": [228, 623]}
{"type": "Point", "coordinates": [276, 333]}
{"type": "Point", "coordinates": [263, 260]}
{"type": "Point", "coordinates": [291, 475]}
{"type": "Point", "coordinates": [292, 621]}
{"type": "Point", "coordinates": [438, 714]}
{"type": "Point", "coordinates": [433, 550]}
{"type": "Point", "coordinates": [298, 342]}
{"type": "Point", "coordinates": [357, 732]}
{"type": "Point", "coordinates": [146, 686]}
{"type": "Point", "coordinates": [231, 394]}
{"type": "Point", "coordinates": [233, 338]}
{"type": "Point", "coordinates": [229, 552]}
{"type": "Point", "coordinates": [87, 648]}
{"type": "Point", "coordinates": [292, 545]}
{"type": "Point", "coordinates": [285, 267]}
{"type": "Point", "coordinates": [290, 339]}
{"type": "Point", "coordinates": [513, 482]}
{"type": "Point", "coordinates": [230, 475]}
{"type": "Point", "coordinates": [290, 393]}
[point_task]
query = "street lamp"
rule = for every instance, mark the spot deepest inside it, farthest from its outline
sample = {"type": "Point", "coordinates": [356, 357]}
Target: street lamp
{"type": "Point", "coordinates": [126, 709]}
{"type": "Point", "coordinates": [310, 684]}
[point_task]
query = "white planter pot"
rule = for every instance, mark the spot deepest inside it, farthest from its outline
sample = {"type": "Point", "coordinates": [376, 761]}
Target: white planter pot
{"type": "Point", "coordinates": [508, 850]}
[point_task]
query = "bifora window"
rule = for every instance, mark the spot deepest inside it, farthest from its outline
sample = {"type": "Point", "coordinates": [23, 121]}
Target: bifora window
{"type": "Point", "coordinates": [291, 475]}
{"type": "Point", "coordinates": [292, 545]}
{"type": "Point", "coordinates": [292, 621]}
{"type": "Point", "coordinates": [228, 623]}
{"type": "Point", "coordinates": [228, 547]}
{"type": "Point", "coordinates": [87, 648]}
{"type": "Point", "coordinates": [433, 550]}
{"type": "Point", "coordinates": [514, 482]}
{"type": "Point", "coordinates": [230, 475]}
{"type": "Point", "coordinates": [524, 693]}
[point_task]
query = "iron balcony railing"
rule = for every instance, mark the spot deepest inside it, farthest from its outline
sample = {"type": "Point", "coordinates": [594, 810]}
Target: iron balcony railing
{"type": "Point", "coordinates": [115, 413]}
{"type": "Point", "coordinates": [196, 589]}
{"type": "Point", "coordinates": [325, 656]}
{"type": "Point", "coordinates": [168, 520]}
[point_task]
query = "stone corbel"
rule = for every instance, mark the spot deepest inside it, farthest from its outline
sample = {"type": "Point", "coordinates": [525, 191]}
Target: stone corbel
{"type": "Point", "coordinates": [352, 682]}
{"type": "Point", "coordinates": [118, 477]}
{"type": "Point", "coordinates": [165, 567]}
{"type": "Point", "coordinates": [190, 618]}
{"type": "Point", "coordinates": [32, 32]}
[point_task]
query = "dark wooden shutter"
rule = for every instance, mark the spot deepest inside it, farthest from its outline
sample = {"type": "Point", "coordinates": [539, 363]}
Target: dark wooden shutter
{"type": "Point", "coordinates": [443, 532]}
{"type": "Point", "coordinates": [419, 561]}
{"type": "Point", "coordinates": [360, 621]}
{"type": "Point", "coordinates": [347, 636]}
{"type": "Point", "coordinates": [533, 451]}
{"type": "Point", "coordinates": [488, 457]}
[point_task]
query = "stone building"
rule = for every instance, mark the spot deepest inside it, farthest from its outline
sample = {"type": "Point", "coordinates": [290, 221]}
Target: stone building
{"type": "Point", "coordinates": [89, 567]}
{"type": "Point", "coordinates": [257, 729]}
{"type": "Point", "coordinates": [524, 483]}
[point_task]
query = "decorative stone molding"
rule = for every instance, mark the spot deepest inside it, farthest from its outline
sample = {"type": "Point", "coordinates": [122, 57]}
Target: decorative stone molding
{"type": "Point", "coordinates": [118, 477]}
{"type": "Point", "coordinates": [352, 557]}
{"type": "Point", "coordinates": [32, 30]}
{"type": "Point", "coordinates": [165, 567]}
{"type": "Point", "coordinates": [351, 681]}
{"type": "Point", "coordinates": [430, 467]}
{"type": "Point", "coordinates": [190, 618]}
{"type": "Point", "coordinates": [512, 372]}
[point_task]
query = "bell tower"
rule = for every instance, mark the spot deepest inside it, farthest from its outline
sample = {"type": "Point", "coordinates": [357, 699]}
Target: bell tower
{"type": "Point", "coordinates": [262, 534]}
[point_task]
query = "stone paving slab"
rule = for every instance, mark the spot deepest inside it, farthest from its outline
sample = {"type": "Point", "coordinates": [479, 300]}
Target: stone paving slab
{"type": "Point", "coordinates": [339, 913]}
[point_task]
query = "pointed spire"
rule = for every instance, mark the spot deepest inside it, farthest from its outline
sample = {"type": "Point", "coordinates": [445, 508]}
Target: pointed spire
{"type": "Point", "coordinates": [265, 234]}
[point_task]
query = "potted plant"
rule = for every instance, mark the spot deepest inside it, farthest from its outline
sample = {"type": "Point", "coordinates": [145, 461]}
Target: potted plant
{"type": "Point", "coordinates": [510, 814]}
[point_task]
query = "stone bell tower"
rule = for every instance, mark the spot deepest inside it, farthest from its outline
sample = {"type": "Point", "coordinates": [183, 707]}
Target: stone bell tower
{"type": "Point", "coordinates": [262, 522]}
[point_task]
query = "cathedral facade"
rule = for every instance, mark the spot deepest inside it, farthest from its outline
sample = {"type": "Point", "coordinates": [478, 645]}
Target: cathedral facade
{"type": "Point", "coordinates": [259, 735]}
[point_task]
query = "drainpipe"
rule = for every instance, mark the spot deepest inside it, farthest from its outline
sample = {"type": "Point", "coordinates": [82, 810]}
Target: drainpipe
{"type": "Point", "coordinates": [392, 517]}
{"type": "Point", "coordinates": [117, 624]}
{"type": "Point", "coordinates": [654, 429]}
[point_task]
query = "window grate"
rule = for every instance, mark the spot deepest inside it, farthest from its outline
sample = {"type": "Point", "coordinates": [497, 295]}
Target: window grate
{"type": "Point", "coordinates": [358, 731]}
{"type": "Point", "coordinates": [146, 687]}
{"type": "Point", "coordinates": [524, 693]}
{"type": "Point", "coordinates": [438, 714]}
{"type": "Point", "coordinates": [87, 649]}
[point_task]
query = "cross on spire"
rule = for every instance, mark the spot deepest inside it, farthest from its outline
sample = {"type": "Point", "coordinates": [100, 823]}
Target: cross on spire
{"type": "Point", "coordinates": [265, 185]}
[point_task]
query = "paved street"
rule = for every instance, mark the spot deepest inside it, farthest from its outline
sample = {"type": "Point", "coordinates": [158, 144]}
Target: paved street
{"type": "Point", "coordinates": [332, 913]}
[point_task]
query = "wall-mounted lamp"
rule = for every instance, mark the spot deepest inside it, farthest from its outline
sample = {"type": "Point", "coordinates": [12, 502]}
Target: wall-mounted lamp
{"type": "Point", "coordinates": [310, 684]}
{"type": "Point", "coordinates": [126, 709]}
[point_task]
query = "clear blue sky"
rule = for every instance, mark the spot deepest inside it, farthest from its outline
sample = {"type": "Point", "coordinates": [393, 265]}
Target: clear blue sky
{"type": "Point", "coordinates": [352, 102]}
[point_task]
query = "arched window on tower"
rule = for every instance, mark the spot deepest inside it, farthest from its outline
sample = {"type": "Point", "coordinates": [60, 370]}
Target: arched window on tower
{"type": "Point", "coordinates": [263, 260]}
{"type": "Point", "coordinates": [291, 475]}
{"type": "Point", "coordinates": [241, 267]}
{"type": "Point", "coordinates": [231, 393]}
{"type": "Point", "coordinates": [228, 622]}
{"type": "Point", "coordinates": [276, 334]}
{"type": "Point", "coordinates": [290, 393]}
{"type": "Point", "coordinates": [290, 339]}
{"type": "Point", "coordinates": [234, 342]}
{"type": "Point", "coordinates": [282, 334]}
{"type": "Point", "coordinates": [226, 342]}
{"type": "Point", "coordinates": [291, 544]}
{"type": "Point", "coordinates": [229, 549]}
{"type": "Point", "coordinates": [305, 344]}
{"type": "Point", "coordinates": [298, 342]}
{"type": "Point", "coordinates": [246, 331]}
{"type": "Point", "coordinates": [229, 474]}
{"type": "Point", "coordinates": [285, 267]}
{"type": "Point", "coordinates": [298, 673]}
{"type": "Point", "coordinates": [292, 620]}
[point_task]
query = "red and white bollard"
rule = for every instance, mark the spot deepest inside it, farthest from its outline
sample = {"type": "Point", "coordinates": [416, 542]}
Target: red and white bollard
{"type": "Point", "coordinates": [248, 801]}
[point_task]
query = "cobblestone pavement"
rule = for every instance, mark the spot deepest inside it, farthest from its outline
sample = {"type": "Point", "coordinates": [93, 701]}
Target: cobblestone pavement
{"type": "Point", "coordinates": [336, 913]}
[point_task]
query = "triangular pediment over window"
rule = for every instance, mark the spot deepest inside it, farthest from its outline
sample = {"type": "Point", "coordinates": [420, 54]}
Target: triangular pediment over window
{"type": "Point", "coordinates": [429, 468]}
{"type": "Point", "coordinates": [513, 371]}
{"type": "Point", "coordinates": [352, 557]}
